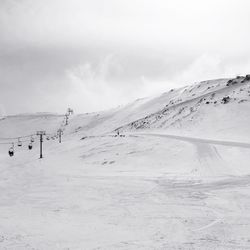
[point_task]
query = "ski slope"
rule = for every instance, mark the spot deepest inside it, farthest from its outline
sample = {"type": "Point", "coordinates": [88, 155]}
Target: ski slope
{"type": "Point", "coordinates": [203, 141]}
{"type": "Point", "coordinates": [158, 186]}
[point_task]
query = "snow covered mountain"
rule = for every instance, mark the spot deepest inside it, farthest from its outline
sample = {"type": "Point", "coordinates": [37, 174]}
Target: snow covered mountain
{"type": "Point", "coordinates": [216, 108]}
{"type": "Point", "coordinates": [176, 178]}
{"type": "Point", "coordinates": [213, 108]}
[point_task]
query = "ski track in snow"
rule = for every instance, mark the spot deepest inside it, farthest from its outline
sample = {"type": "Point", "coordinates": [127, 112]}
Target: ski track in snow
{"type": "Point", "coordinates": [199, 140]}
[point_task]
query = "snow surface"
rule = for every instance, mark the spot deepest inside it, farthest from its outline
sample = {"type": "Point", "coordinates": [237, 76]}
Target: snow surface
{"type": "Point", "coordinates": [173, 180]}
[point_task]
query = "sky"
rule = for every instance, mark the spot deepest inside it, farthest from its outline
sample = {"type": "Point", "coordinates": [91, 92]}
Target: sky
{"type": "Point", "coordinates": [93, 55]}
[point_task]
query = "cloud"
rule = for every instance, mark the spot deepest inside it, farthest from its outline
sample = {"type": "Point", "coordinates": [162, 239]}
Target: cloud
{"type": "Point", "coordinates": [204, 67]}
{"type": "Point", "coordinates": [97, 54]}
{"type": "Point", "coordinates": [209, 66]}
{"type": "Point", "coordinates": [91, 89]}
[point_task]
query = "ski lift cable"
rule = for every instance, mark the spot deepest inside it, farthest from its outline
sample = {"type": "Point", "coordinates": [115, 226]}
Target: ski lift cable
{"type": "Point", "coordinates": [16, 138]}
{"type": "Point", "coordinates": [25, 141]}
{"type": "Point", "coordinates": [6, 143]}
{"type": "Point", "coordinates": [20, 137]}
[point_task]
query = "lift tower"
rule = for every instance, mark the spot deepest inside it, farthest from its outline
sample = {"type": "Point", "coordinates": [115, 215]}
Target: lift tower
{"type": "Point", "coordinates": [41, 134]}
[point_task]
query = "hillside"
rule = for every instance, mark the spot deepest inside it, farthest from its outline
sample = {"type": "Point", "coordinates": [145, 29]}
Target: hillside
{"type": "Point", "coordinates": [210, 109]}
{"type": "Point", "coordinates": [190, 110]}
{"type": "Point", "coordinates": [218, 108]}
{"type": "Point", "coordinates": [176, 178]}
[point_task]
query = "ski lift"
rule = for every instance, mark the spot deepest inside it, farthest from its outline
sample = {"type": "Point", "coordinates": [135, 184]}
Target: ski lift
{"type": "Point", "coordinates": [19, 143]}
{"type": "Point", "coordinates": [11, 151]}
{"type": "Point", "coordinates": [30, 146]}
{"type": "Point", "coordinates": [47, 138]}
{"type": "Point", "coordinates": [32, 139]}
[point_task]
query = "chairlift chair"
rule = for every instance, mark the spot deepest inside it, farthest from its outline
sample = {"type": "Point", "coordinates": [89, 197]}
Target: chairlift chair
{"type": "Point", "coordinates": [11, 152]}
{"type": "Point", "coordinates": [30, 146]}
{"type": "Point", "coordinates": [32, 139]}
{"type": "Point", "coordinates": [19, 143]}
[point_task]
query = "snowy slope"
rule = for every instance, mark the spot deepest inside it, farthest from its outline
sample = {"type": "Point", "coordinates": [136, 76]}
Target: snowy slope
{"type": "Point", "coordinates": [208, 109]}
{"type": "Point", "coordinates": [218, 108]}
{"type": "Point", "coordinates": [213, 111]}
{"type": "Point", "coordinates": [190, 110]}
{"type": "Point", "coordinates": [178, 179]}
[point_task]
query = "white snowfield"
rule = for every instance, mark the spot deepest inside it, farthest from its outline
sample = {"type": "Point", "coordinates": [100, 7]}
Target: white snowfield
{"type": "Point", "coordinates": [178, 177]}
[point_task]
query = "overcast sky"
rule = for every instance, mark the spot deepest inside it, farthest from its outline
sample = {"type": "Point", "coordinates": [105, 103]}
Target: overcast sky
{"type": "Point", "coordinates": [96, 54]}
